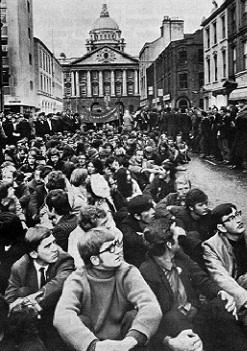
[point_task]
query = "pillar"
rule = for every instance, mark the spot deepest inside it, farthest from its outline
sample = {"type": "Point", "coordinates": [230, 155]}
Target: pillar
{"type": "Point", "coordinates": [124, 83]}
{"type": "Point", "coordinates": [77, 83]}
{"type": "Point", "coordinates": [89, 87]}
{"type": "Point", "coordinates": [112, 83]}
{"type": "Point", "coordinates": [100, 83]}
{"type": "Point", "coordinates": [72, 84]}
{"type": "Point", "coordinates": [136, 82]}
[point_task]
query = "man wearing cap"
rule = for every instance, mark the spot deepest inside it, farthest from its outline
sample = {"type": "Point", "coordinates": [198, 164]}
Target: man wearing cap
{"type": "Point", "coordinates": [187, 323]}
{"type": "Point", "coordinates": [141, 212]}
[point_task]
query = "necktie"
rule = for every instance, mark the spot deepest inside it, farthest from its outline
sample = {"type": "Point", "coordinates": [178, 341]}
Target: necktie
{"type": "Point", "coordinates": [42, 276]}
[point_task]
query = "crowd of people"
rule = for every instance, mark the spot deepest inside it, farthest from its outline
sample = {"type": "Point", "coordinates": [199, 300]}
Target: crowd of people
{"type": "Point", "coordinates": [106, 245]}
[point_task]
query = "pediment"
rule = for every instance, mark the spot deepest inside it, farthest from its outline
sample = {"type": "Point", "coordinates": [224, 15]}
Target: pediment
{"type": "Point", "coordinates": [105, 55]}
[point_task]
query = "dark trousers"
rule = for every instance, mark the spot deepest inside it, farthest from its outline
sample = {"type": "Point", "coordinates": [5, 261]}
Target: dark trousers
{"type": "Point", "coordinates": [216, 327]}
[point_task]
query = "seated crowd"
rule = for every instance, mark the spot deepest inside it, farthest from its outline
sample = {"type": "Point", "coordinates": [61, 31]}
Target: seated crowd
{"type": "Point", "coordinates": [106, 245]}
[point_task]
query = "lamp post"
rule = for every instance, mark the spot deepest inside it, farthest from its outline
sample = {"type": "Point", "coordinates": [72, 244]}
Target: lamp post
{"type": "Point", "coordinates": [1, 64]}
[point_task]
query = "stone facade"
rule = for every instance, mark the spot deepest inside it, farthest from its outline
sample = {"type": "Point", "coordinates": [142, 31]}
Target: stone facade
{"type": "Point", "coordinates": [105, 77]}
{"type": "Point", "coordinates": [48, 79]}
{"type": "Point", "coordinates": [18, 55]}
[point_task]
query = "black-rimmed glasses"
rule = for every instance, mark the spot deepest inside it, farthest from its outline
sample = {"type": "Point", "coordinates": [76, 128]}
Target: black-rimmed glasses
{"type": "Point", "coordinates": [112, 247]}
{"type": "Point", "coordinates": [233, 217]}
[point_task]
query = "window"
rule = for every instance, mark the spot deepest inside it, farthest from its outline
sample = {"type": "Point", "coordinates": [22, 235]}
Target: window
{"type": "Point", "coordinates": [224, 63]}
{"type": "Point", "coordinates": [201, 79]}
{"type": "Point", "coordinates": [29, 33]}
{"type": "Point", "coordinates": [107, 89]}
{"type": "Point", "coordinates": [233, 19]}
{"type": "Point", "coordinates": [95, 75]}
{"type": "Point", "coordinates": [200, 55]}
{"type": "Point", "coordinates": [130, 74]}
{"type": "Point", "coordinates": [119, 75]}
{"type": "Point", "coordinates": [215, 32]}
{"type": "Point", "coordinates": [4, 30]}
{"type": "Point", "coordinates": [223, 26]}
{"type": "Point", "coordinates": [183, 81]}
{"type": "Point", "coordinates": [245, 54]}
{"type": "Point", "coordinates": [130, 88]}
{"type": "Point", "coordinates": [244, 6]}
{"type": "Point", "coordinates": [3, 15]}
{"type": "Point", "coordinates": [30, 59]}
{"type": "Point", "coordinates": [28, 6]}
{"type": "Point", "coordinates": [215, 67]}
{"type": "Point", "coordinates": [207, 32]}
{"type": "Point", "coordinates": [234, 59]}
{"type": "Point", "coordinates": [182, 57]}
{"type": "Point", "coordinates": [95, 89]}
{"type": "Point", "coordinates": [5, 76]}
{"type": "Point", "coordinates": [31, 85]}
{"type": "Point", "coordinates": [83, 90]}
{"type": "Point", "coordinates": [41, 82]}
{"type": "Point", "coordinates": [244, 12]}
{"type": "Point", "coordinates": [107, 76]}
{"type": "Point", "coordinates": [82, 76]}
{"type": "Point", "coordinates": [118, 89]}
{"type": "Point", "coordinates": [208, 70]}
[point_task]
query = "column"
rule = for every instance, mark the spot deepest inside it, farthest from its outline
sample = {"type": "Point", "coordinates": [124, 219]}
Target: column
{"type": "Point", "coordinates": [136, 82]}
{"type": "Point", "coordinates": [112, 83]}
{"type": "Point", "coordinates": [100, 84]}
{"type": "Point", "coordinates": [89, 87]}
{"type": "Point", "coordinates": [124, 83]}
{"type": "Point", "coordinates": [77, 83]}
{"type": "Point", "coordinates": [72, 84]}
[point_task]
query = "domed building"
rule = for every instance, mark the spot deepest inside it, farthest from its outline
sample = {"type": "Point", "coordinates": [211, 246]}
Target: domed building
{"type": "Point", "coordinates": [103, 83]}
{"type": "Point", "coordinates": [105, 31]}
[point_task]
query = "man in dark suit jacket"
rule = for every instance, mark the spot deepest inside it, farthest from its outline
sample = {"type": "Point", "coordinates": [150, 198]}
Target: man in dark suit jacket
{"type": "Point", "coordinates": [60, 212]}
{"type": "Point", "coordinates": [176, 281]}
{"type": "Point", "coordinates": [37, 278]}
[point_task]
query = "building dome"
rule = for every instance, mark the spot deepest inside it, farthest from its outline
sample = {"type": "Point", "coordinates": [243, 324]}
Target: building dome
{"type": "Point", "coordinates": [105, 21]}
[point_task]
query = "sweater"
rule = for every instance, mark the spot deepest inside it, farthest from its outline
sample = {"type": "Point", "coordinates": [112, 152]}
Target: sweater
{"type": "Point", "coordinates": [92, 308]}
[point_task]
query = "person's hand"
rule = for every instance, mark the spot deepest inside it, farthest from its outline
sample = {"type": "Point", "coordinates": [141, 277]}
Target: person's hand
{"type": "Point", "coordinates": [177, 231]}
{"type": "Point", "coordinates": [16, 303]}
{"type": "Point", "coordinates": [230, 305]}
{"type": "Point", "coordinates": [116, 345]}
{"type": "Point", "coordinates": [187, 340]}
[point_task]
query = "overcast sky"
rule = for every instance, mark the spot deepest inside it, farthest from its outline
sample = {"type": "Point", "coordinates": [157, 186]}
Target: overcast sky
{"type": "Point", "coordinates": [63, 25]}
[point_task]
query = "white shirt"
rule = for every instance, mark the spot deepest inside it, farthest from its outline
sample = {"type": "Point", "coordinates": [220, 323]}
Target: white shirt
{"type": "Point", "coordinates": [37, 268]}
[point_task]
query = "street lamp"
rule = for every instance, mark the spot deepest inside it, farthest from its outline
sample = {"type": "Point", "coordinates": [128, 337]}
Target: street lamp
{"type": "Point", "coordinates": [1, 64]}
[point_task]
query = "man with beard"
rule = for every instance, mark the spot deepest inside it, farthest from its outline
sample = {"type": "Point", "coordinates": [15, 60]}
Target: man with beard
{"type": "Point", "coordinates": [225, 253]}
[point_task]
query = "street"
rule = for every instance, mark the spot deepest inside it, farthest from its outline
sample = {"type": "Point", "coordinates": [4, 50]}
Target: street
{"type": "Point", "coordinates": [219, 183]}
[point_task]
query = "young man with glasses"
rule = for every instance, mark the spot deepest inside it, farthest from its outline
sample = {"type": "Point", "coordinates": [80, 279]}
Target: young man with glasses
{"type": "Point", "coordinates": [225, 253]}
{"type": "Point", "coordinates": [106, 305]}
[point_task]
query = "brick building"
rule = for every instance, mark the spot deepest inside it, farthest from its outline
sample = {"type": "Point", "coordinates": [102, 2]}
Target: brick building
{"type": "Point", "coordinates": [176, 77]}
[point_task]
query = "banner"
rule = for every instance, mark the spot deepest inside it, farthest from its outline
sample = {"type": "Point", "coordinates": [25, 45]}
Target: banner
{"type": "Point", "coordinates": [100, 117]}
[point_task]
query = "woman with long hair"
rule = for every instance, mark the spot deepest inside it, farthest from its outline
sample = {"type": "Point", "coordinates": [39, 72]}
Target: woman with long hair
{"type": "Point", "coordinates": [126, 185]}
